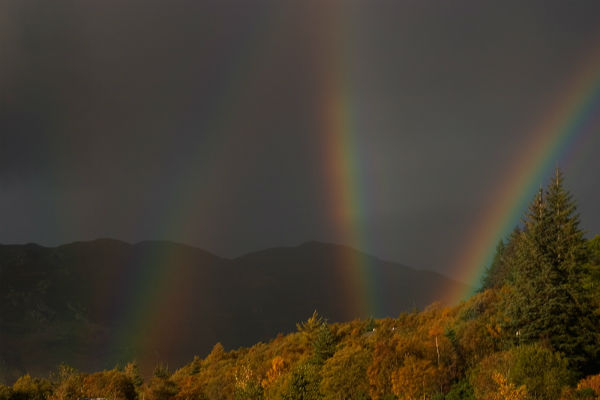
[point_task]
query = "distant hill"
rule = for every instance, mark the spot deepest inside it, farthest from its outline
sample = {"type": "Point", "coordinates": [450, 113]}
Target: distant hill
{"type": "Point", "coordinates": [95, 304]}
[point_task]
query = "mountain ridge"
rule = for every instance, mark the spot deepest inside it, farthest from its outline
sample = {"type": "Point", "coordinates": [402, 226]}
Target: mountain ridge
{"type": "Point", "coordinates": [64, 303]}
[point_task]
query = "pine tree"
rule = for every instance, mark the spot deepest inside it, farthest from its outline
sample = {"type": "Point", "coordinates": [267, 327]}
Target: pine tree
{"type": "Point", "coordinates": [566, 245]}
{"type": "Point", "coordinates": [527, 300]}
{"type": "Point", "coordinates": [323, 345]}
{"type": "Point", "coordinates": [593, 246]}
{"type": "Point", "coordinates": [500, 271]}
{"type": "Point", "coordinates": [491, 273]}
{"type": "Point", "coordinates": [304, 383]}
{"type": "Point", "coordinates": [548, 302]}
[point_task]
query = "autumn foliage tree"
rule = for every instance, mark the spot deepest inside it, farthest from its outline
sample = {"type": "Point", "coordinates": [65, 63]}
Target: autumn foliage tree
{"type": "Point", "coordinates": [344, 375]}
{"type": "Point", "coordinates": [415, 379]}
{"type": "Point", "coordinates": [529, 334]}
{"type": "Point", "coordinates": [31, 388]}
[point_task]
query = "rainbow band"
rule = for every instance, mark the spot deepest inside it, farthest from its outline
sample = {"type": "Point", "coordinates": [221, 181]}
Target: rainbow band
{"type": "Point", "coordinates": [148, 316]}
{"type": "Point", "coordinates": [573, 119]}
{"type": "Point", "coordinates": [347, 208]}
{"type": "Point", "coordinates": [569, 121]}
{"type": "Point", "coordinates": [346, 185]}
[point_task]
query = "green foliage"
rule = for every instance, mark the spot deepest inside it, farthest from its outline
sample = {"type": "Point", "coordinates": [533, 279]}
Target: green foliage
{"type": "Point", "coordinates": [132, 372]}
{"type": "Point", "coordinates": [251, 391]}
{"type": "Point", "coordinates": [491, 277]}
{"type": "Point", "coordinates": [304, 383]}
{"type": "Point", "coordinates": [586, 393]}
{"type": "Point", "coordinates": [528, 335]}
{"type": "Point", "coordinates": [541, 370]}
{"type": "Point", "coordinates": [591, 276]}
{"type": "Point", "coordinates": [311, 328]}
{"type": "Point", "coordinates": [161, 388]}
{"type": "Point", "coordinates": [161, 371]}
{"type": "Point", "coordinates": [195, 365]}
{"type": "Point", "coordinates": [593, 246]}
{"type": "Point", "coordinates": [501, 271]}
{"type": "Point", "coordinates": [345, 374]}
{"type": "Point", "coordinates": [462, 390]}
{"type": "Point", "coordinates": [371, 325]}
{"type": "Point", "coordinates": [476, 333]}
{"type": "Point", "coordinates": [323, 345]}
{"type": "Point", "coordinates": [565, 242]}
{"type": "Point", "coordinates": [547, 301]}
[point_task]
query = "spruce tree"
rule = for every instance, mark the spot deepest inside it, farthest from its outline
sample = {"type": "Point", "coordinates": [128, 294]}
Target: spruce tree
{"type": "Point", "coordinates": [566, 245]}
{"type": "Point", "coordinates": [324, 345]}
{"type": "Point", "coordinates": [500, 271]}
{"type": "Point", "coordinates": [547, 301]}
{"type": "Point", "coordinates": [526, 300]}
{"type": "Point", "coordinates": [490, 277]}
{"type": "Point", "coordinates": [569, 254]}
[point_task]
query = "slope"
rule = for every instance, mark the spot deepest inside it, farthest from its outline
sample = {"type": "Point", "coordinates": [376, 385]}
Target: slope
{"type": "Point", "coordinates": [95, 304]}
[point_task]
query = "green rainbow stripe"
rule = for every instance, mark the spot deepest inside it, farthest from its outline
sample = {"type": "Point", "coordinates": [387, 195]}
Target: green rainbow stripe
{"type": "Point", "coordinates": [347, 194]}
{"type": "Point", "coordinates": [346, 205]}
{"type": "Point", "coordinates": [573, 119]}
{"type": "Point", "coordinates": [148, 316]}
{"type": "Point", "coordinates": [141, 308]}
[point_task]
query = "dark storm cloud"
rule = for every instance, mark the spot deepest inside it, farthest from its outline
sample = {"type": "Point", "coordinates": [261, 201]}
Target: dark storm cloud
{"type": "Point", "coordinates": [111, 112]}
{"type": "Point", "coordinates": [449, 92]}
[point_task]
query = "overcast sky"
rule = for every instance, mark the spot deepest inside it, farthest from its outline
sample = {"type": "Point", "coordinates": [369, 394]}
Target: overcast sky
{"type": "Point", "coordinates": [200, 121]}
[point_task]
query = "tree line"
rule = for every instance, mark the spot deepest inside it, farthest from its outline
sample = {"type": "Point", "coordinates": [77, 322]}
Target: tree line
{"type": "Point", "coordinates": [531, 332]}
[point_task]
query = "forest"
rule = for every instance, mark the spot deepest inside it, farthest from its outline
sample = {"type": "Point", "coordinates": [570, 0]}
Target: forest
{"type": "Point", "coordinates": [531, 331]}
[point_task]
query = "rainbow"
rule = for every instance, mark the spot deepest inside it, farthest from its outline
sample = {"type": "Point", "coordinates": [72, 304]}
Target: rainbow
{"type": "Point", "coordinates": [342, 165]}
{"type": "Point", "coordinates": [556, 140]}
{"type": "Point", "coordinates": [347, 206]}
{"type": "Point", "coordinates": [147, 317]}
{"type": "Point", "coordinates": [139, 319]}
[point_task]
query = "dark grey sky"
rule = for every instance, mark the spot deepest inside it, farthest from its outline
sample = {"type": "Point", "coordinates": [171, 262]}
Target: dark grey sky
{"type": "Point", "coordinates": [199, 121]}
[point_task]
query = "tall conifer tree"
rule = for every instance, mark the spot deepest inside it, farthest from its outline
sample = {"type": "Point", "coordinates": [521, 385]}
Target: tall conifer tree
{"type": "Point", "coordinates": [501, 271]}
{"type": "Point", "coordinates": [547, 301]}
{"type": "Point", "coordinates": [490, 277]}
{"type": "Point", "coordinates": [566, 244]}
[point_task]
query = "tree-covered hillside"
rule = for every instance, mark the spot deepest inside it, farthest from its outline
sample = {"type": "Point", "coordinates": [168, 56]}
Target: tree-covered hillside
{"type": "Point", "coordinates": [531, 332]}
{"type": "Point", "coordinates": [95, 304]}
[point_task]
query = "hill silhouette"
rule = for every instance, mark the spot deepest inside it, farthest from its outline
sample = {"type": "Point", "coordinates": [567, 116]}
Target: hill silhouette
{"type": "Point", "coordinates": [98, 303]}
